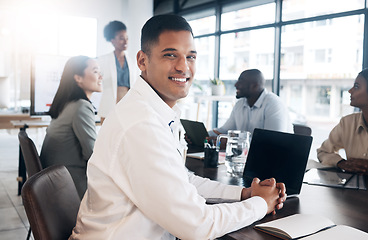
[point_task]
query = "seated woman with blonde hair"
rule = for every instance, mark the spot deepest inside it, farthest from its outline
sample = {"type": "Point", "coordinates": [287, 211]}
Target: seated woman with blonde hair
{"type": "Point", "coordinates": [351, 134]}
{"type": "Point", "coordinates": [71, 135]}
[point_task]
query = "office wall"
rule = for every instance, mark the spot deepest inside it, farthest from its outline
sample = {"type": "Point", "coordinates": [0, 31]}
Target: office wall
{"type": "Point", "coordinates": [15, 52]}
{"type": "Point", "coordinates": [137, 13]}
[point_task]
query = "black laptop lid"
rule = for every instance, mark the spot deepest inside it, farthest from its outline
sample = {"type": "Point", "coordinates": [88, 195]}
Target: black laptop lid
{"type": "Point", "coordinates": [196, 131]}
{"type": "Point", "coordinates": [280, 155]}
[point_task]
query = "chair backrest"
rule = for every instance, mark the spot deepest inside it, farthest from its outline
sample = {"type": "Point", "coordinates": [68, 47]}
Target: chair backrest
{"type": "Point", "coordinates": [51, 202]}
{"type": "Point", "coordinates": [30, 154]}
{"type": "Point", "coordinates": [302, 130]}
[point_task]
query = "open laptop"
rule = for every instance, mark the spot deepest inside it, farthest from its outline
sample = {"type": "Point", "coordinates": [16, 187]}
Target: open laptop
{"type": "Point", "coordinates": [280, 155]}
{"type": "Point", "coordinates": [196, 131]}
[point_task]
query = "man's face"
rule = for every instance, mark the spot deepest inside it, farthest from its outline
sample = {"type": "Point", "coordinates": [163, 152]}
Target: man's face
{"type": "Point", "coordinates": [170, 66]}
{"type": "Point", "coordinates": [243, 87]}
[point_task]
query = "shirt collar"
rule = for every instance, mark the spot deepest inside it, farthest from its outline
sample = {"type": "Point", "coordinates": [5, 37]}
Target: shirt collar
{"type": "Point", "coordinates": [361, 125]}
{"type": "Point", "coordinates": [259, 101]}
{"type": "Point", "coordinates": [167, 113]}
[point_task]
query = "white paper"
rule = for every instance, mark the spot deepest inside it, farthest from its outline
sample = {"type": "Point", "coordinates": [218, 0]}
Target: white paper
{"type": "Point", "coordinates": [299, 225]}
{"type": "Point", "coordinates": [340, 232]}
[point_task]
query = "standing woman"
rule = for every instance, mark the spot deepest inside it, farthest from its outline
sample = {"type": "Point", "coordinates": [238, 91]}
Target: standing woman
{"type": "Point", "coordinates": [119, 72]}
{"type": "Point", "coordinates": [71, 135]}
{"type": "Point", "coordinates": [351, 134]}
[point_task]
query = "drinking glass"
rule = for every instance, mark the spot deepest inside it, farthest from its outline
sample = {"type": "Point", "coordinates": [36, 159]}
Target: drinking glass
{"type": "Point", "coordinates": [237, 148]}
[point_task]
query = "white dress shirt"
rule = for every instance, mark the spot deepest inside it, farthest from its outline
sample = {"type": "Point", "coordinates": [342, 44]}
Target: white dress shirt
{"type": "Point", "coordinates": [139, 188]}
{"type": "Point", "coordinates": [268, 112]}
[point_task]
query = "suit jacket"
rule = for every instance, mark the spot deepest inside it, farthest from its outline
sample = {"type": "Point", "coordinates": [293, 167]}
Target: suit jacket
{"type": "Point", "coordinates": [69, 141]}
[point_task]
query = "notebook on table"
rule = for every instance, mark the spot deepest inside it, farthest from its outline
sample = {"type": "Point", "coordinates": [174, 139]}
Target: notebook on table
{"type": "Point", "coordinates": [280, 155]}
{"type": "Point", "coordinates": [196, 132]}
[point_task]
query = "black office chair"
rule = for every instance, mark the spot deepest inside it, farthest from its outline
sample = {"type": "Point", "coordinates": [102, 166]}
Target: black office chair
{"type": "Point", "coordinates": [302, 130]}
{"type": "Point", "coordinates": [51, 202]}
{"type": "Point", "coordinates": [30, 156]}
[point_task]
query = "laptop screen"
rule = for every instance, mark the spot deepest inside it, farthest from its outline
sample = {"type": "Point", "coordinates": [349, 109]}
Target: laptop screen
{"type": "Point", "coordinates": [283, 156]}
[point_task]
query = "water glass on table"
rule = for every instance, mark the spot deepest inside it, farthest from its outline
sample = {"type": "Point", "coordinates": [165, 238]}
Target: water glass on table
{"type": "Point", "coordinates": [237, 148]}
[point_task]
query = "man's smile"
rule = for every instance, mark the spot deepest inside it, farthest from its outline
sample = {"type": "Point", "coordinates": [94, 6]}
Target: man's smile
{"type": "Point", "coordinates": [179, 79]}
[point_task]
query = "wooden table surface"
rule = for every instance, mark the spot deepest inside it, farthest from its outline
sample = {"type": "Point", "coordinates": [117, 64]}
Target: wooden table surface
{"type": "Point", "coordinates": [342, 206]}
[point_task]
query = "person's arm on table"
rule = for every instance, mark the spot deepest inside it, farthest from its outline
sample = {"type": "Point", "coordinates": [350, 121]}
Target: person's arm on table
{"type": "Point", "coordinates": [355, 165]}
{"type": "Point", "coordinates": [247, 192]}
{"type": "Point", "coordinates": [327, 154]}
{"type": "Point", "coordinates": [229, 125]}
{"type": "Point", "coordinates": [213, 189]}
{"type": "Point", "coordinates": [270, 192]}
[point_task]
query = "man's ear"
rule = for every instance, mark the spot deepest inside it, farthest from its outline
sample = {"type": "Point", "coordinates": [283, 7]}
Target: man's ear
{"type": "Point", "coordinates": [253, 86]}
{"type": "Point", "coordinates": [142, 59]}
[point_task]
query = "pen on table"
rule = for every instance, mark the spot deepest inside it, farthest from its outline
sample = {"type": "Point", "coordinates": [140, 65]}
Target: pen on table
{"type": "Point", "coordinates": [206, 144]}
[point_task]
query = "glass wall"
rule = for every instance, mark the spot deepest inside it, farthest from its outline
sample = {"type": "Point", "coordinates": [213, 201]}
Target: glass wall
{"type": "Point", "coordinates": [237, 16]}
{"type": "Point", "coordinates": [321, 60]}
{"type": "Point", "coordinates": [310, 52]}
{"type": "Point", "coordinates": [297, 9]}
{"type": "Point", "coordinates": [205, 57]}
{"type": "Point", "coordinates": [247, 49]}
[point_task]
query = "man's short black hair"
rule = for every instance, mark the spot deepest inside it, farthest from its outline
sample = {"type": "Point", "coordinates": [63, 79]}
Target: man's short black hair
{"type": "Point", "coordinates": [112, 28]}
{"type": "Point", "coordinates": [254, 74]}
{"type": "Point", "coordinates": [159, 24]}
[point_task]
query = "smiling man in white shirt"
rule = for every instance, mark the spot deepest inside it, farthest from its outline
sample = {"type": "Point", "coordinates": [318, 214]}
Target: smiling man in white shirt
{"type": "Point", "coordinates": [138, 186]}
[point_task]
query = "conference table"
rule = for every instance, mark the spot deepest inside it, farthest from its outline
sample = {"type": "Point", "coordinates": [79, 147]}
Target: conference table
{"type": "Point", "coordinates": [342, 206]}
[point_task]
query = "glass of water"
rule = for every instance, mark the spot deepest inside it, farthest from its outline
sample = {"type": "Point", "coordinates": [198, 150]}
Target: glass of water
{"type": "Point", "coordinates": [237, 148]}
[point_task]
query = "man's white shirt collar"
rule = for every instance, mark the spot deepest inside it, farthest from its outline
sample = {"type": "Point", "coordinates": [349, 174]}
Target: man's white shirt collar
{"type": "Point", "coordinates": [167, 113]}
{"type": "Point", "coordinates": [259, 101]}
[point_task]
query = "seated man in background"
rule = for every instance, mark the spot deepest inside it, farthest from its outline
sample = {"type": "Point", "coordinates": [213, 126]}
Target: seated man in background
{"type": "Point", "coordinates": [138, 185]}
{"type": "Point", "coordinates": [351, 134]}
{"type": "Point", "coordinates": [257, 108]}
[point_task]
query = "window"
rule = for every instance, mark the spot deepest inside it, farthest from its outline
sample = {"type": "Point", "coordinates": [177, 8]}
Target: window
{"type": "Point", "coordinates": [294, 9]}
{"type": "Point", "coordinates": [203, 26]}
{"type": "Point", "coordinates": [58, 35]}
{"type": "Point", "coordinates": [78, 36]}
{"type": "Point", "coordinates": [315, 48]}
{"type": "Point", "coordinates": [205, 57]}
{"type": "Point", "coordinates": [243, 50]}
{"type": "Point", "coordinates": [25, 34]}
{"type": "Point", "coordinates": [203, 22]}
{"type": "Point", "coordinates": [322, 62]}
{"type": "Point", "coordinates": [247, 17]}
